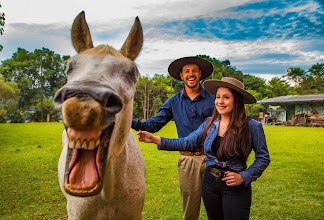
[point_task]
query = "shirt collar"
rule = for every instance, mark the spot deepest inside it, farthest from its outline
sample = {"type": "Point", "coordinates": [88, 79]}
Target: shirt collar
{"type": "Point", "coordinates": [202, 92]}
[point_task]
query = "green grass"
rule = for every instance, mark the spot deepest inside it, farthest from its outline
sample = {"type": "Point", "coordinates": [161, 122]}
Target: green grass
{"type": "Point", "coordinates": [290, 188]}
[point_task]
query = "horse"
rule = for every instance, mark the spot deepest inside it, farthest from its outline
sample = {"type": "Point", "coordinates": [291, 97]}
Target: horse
{"type": "Point", "coordinates": [101, 169]}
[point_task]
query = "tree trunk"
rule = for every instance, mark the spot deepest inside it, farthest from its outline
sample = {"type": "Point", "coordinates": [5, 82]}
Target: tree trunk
{"type": "Point", "coordinates": [148, 106]}
{"type": "Point", "coordinates": [41, 81]}
{"type": "Point", "coordinates": [144, 105]}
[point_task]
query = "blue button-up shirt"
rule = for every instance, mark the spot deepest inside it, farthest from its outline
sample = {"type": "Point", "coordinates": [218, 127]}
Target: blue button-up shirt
{"type": "Point", "coordinates": [188, 114]}
{"type": "Point", "coordinates": [257, 142]}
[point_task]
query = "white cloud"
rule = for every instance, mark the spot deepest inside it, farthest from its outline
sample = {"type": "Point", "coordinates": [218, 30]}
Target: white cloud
{"type": "Point", "coordinates": [38, 23]}
{"type": "Point", "coordinates": [44, 12]}
{"type": "Point", "coordinates": [240, 53]}
{"type": "Point", "coordinates": [267, 76]}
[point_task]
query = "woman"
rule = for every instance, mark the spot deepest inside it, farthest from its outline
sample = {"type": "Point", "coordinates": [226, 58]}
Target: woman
{"type": "Point", "coordinates": [228, 137]}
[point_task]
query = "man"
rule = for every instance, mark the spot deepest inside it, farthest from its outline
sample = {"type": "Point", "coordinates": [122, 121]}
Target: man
{"type": "Point", "coordinates": [189, 108]}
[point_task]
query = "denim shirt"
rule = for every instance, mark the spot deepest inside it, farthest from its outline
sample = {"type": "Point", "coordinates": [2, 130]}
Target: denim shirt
{"type": "Point", "coordinates": [257, 142]}
{"type": "Point", "coordinates": [188, 114]}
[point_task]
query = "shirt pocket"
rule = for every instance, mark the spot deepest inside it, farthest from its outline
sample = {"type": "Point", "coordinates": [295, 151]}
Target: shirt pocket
{"type": "Point", "coordinates": [206, 112]}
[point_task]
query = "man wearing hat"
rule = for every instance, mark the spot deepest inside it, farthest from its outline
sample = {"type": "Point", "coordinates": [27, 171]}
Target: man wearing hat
{"type": "Point", "coordinates": [189, 108]}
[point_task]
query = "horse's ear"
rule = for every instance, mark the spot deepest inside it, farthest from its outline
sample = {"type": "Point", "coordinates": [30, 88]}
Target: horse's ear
{"type": "Point", "coordinates": [134, 41]}
{"type": "Point", "coordinates": [80, 34]}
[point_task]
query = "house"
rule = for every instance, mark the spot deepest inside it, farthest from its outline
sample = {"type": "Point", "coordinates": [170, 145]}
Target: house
{"type": "Point", "coordinates": [294, 109]}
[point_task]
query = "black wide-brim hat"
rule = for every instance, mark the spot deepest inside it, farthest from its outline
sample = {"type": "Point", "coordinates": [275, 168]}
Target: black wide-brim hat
{"type": "Point", "coordinates": [212, 85]}
{"type": "Point", "coordinates": [205, 66]}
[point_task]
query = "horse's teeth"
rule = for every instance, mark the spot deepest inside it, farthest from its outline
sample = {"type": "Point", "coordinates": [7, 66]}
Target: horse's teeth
{"type": "Point", "coordinates": [78, 144]}
{"type": "Point", "coordinates": [80, 191]}
{"type": "Point", "coordinates": [71, 143]}
{"type": "Point", "coordinates": [91, 144]}
{"type": "Point", "coordinates": [76, 191]}
{"type": "Point", "coordinates": [97, 142]}
{"type": "Point", "coordinates": [84, 144]}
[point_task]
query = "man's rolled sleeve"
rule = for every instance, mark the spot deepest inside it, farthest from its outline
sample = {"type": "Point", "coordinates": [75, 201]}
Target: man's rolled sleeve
{"type": "Point", "coordinates": [190, 143]}
{"type": "Point", "coordinates": [156, 122]}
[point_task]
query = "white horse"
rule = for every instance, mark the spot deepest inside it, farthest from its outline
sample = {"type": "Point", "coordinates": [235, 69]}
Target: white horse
{"type": "Point", "coordinates": [101, 168]}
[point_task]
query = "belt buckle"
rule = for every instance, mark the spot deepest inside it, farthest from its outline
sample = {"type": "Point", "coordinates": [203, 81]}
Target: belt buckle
{"type": "Point", "coordinates": [215, 172]}
{"type": "Point", "coordinates": [197, 153]}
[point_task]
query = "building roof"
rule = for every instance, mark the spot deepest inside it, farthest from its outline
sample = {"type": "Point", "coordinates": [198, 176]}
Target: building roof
{"type": "Point", "coordinates": [294, 99]}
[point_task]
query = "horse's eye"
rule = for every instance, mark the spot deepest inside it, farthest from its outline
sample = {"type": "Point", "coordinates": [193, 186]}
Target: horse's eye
{"type": "Point", "coordinates": [69, 68]}
{"type": "Point", "coordinates": [134, 74]}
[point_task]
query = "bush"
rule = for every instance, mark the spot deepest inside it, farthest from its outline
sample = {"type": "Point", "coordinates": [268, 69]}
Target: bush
{"type": "Point", "coordinates": [3, 120]}
{"type": "Point", "coordinates": [16, 117]}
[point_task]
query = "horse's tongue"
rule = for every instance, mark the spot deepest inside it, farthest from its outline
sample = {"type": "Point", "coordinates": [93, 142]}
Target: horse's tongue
{"type": "Point", "coordinates": [84, 173]}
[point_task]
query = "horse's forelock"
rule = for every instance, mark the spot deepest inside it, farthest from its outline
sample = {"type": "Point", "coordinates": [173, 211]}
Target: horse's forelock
{"type": "Point", "coordinates": [103, 50]}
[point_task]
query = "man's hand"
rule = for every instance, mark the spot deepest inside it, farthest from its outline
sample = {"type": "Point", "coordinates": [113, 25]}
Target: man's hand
{"type": "Point", "coordinates": [147, 137]}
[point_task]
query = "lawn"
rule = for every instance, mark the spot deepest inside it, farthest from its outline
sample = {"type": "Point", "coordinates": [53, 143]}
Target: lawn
{"type": "Point", "coordinates": [290, 188]}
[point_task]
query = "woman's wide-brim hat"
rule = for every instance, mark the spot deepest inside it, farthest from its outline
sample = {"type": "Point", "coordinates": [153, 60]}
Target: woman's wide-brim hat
{"type": "Point", "coordinates": [205, 66]}
{"type": "Point", "coordinates": [212, 85]}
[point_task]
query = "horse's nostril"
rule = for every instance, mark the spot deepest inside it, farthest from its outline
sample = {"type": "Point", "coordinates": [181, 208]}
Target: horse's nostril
{"type": "Point", "coordinates": [113, 103]}
{"type": "Point", "coordinates": [58, 99]}
{"type": "Point", "coordinates": [107, 97]}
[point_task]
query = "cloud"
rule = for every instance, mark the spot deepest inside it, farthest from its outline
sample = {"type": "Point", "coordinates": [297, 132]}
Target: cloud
{"type": "Point", "coordinates": [35, 36]}
{"type": "Point", "coordinates": [257, 36]}
{"type": "Point", "coordinates": [251, 22]}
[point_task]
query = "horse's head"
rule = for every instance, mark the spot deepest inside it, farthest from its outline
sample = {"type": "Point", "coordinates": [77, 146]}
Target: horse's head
{"type": "Point", "coordinates": [96, 105]}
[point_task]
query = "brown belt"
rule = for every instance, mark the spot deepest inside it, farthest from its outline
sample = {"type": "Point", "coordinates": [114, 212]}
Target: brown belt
{"type": "Point", "coordinates": [198, 152]}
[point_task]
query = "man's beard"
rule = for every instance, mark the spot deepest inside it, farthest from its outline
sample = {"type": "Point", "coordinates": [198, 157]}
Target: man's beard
{"type": "Point", "coordinates": [192, 86]}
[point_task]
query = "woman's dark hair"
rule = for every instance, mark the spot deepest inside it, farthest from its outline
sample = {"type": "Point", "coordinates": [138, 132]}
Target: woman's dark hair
{"type": "Point", "coordinates": [236, 139]}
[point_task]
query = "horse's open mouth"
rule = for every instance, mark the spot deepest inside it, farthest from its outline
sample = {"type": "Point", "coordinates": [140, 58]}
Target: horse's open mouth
{"type": "Point", "coordinates": [86, 160]}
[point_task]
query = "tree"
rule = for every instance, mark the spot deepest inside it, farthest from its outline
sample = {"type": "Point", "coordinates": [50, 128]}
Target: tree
{"type": "Point", "coordinates": [159, 92]}
{"type": "Point", "coordinates": [280, 87]}
{"type": "Point", "coordinates": [317, 75]}
{"type": "Point", "coordinates": [308, 82]}
{"type": "Point", "coordinates": [253, 83]}
{"type": "Point", "coordinates": [14, 113]}
{"type": "Point", "coordinates": [8, 90]}
{"type": "Point", "coordinates": [226, 63]}
{"type": "Point", "coordinates": [151, 93]}
{"type": "Point", "coordinates": [317, 70]}
{"type": "Point", "coordinates": [296, 74]}
{"type": "Point", "coordinates": [177, 85]}
{"type": "Point", "coordinates": [9, 94]}
{"type": "Point", "coordinates": [219, 67]}
{"type": "Point", "coordinates": [140, 98]}
{"type": "Point", "coordinates": [48, 109]}
{"type": "Point", "coordinates": [38, 74]}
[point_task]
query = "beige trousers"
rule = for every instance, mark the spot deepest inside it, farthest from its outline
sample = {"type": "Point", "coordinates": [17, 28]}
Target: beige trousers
{"type": "Point", "coordinates": [190, 171]}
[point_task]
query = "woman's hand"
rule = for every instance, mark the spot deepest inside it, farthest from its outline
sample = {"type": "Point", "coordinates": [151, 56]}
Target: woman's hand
{"type": "Point", "coordinates": [232, 179]}
{"type": "Point", "coordinates": [147, 137]}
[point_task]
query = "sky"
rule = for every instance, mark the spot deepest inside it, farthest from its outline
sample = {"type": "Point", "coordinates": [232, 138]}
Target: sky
{"type": "Point", "coordinates": [259, 37]}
